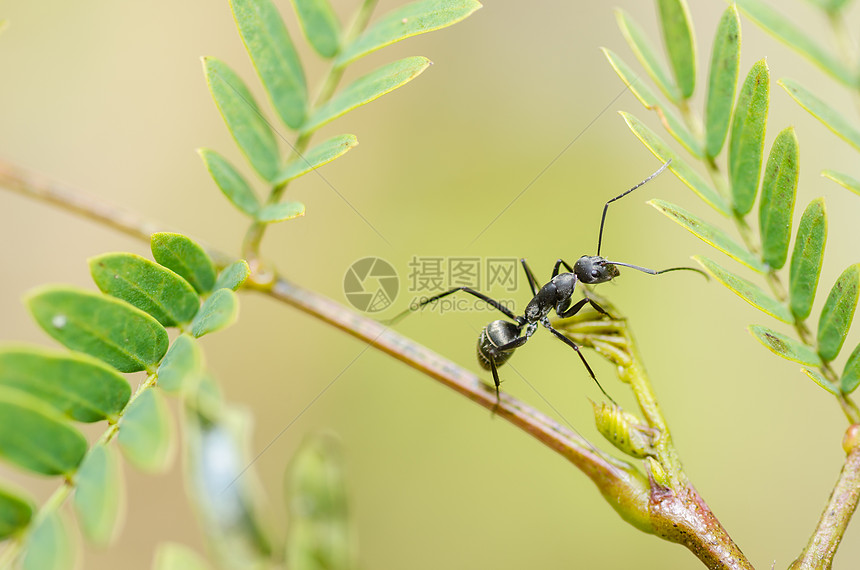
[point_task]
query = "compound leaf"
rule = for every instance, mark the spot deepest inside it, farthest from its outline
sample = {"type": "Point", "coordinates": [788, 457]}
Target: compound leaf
{"type": "Point", "coordinates": [746, 290]}
{"type": "Point", "coordinates": [778, 191]}
{"type": "Point", "coordinates": [231, 183]}
{"type": "Point", "coordinates": [784, 346]}
{"type": "Point", "coordinates": [233, 276]}
{"type": "Point", "coordinates": [182, 364]}
{"type": "Point", "coordinates": [710, 234]}
{"type": "Point", "coordinates": [268, 43]}
{"type": "Point", "coordinates": [843, 180]}
{"type": "Point", "coordinates": [851, 373]}
{"type": "Point", "coordinates": [722, 81]}
{"type": "Point", "coordinates": [407, 21]}
{"type": "Point", "coordinates": [806, 258]}
{"type": "Point", "coordinates": [320, 26]}
{"type": "Point", "coordinates": [280, 212]}
{"type": "Point", "coordinates": [643, 93]}
{"type": "Point", "coordinates": [16, 512]}
{"type": "Point", "coordinates": [111, 330]}
{"type": "Point", "coordinates": [244, 120]}
{"type": "Point", "coordinates": [146, 433]}
{"type": "Point", "coordinates": [838, 312]}
{"type": "Point", "coordinates": [367, 88]}
{"type": "Point", "coordinates": [821, 381]}
{"type": "Point", "coordinates": [825, 113]}
{"type": "Point", "coordinates": [218, 311]}
{"type": "Point", "coordinates": [166, 296]}
{"type": "Point", "coordinates": [185, 257]}
{"type": "Point", "coordinates": [35, 437]}
{"type": "Point", "coordinates": [319, 155]}
{"type": "Point", "coordinates": [746, 140]}
{"type": "Point", "coordinates": [76, 385]}
{"type": "Point", "coordinates": [681, 169]}
{"type": "Point", "coordinates": [99, 494]}
{"type": "Point", "coordinates": [638, 42]}
{"type": "Point", "coordinates": [50, 546]}
{"type": "Point", "coordinates": [794, 37]}
{"type": "Point", "coordinates": [680, 44]}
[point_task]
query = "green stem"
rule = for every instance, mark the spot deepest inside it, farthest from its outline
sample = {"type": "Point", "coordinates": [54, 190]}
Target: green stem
{"type": "Point", "coordinates": [59, 496]}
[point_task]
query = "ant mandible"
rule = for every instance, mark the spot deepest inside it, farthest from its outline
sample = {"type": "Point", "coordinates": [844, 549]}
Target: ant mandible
{"type": "Point", "coordinates": [501, 338]}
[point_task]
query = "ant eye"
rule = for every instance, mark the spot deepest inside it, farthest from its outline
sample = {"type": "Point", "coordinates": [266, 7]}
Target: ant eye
{"type": "Point", "coordinates": [595, 273]}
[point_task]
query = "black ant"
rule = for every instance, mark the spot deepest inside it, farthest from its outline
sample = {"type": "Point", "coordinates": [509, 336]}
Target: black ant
{"type": "Point", "coordinates": [501, 338]}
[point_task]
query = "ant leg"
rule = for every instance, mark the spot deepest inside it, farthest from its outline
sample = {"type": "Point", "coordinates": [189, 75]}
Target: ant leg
{"type": "Point", "coordinates": [558, 264]}
{"type": "Point", "coordinates": [531, 277]}
{"type": "Point", "coordinates": [575, 347]}
{"type": "Point", "coordinates": [492, 302]}
{"type": "Point", "coordinates": [497, 382]}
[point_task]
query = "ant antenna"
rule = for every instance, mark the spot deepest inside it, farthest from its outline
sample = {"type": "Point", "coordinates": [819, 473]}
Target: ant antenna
{"type": "Point", "coordinates": [655, 272]}
{"type": "Point", "coordinates": [606, 207]}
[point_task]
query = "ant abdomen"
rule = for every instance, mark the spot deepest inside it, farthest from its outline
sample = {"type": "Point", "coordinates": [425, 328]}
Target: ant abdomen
{"type": "Point", "coordinates": [494, 335]}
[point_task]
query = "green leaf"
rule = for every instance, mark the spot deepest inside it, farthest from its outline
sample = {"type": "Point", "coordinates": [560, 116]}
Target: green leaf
{"type": "Point", "coordinates": [244, 120]}
{"type": "Point", "coordinates": [148, 286]}
{"type": "Point", "coordinates": [711, 235]}
{"type": "Point", "coordinates": [838, 312]}
{"type": "Point", "coordinates": [233, 276]}
{"type": "Point", "coordinates": [806, 258]}
{"type": "Point", "coordinates": [722, 81]}
{"type": "Point", "coordinates": [277, 63]}
{"type": "Point", "coordinates": [778, 191]}
{"type": "Point", "coordinates": [851, 373]}
{"type": "Point", "coordinates": [218, 311]}
{"type": "Point", "coordinates": [320, 26]}
{"type": "Point", "coordinates": [175, 556]}
{"type": "Point", "coordinates": [76, 385]}
{"type": "Point", "coordinates": [231, 183]}
{"type": "Point", "coordinates": [319, 155]}
{"type": "Point", "coordinates": [407, 21]}
{"type": "Point", "coordinates": [184, 256]}
{"type": "Point", "coordinates": [843, 180]}
{"type": "Point", "coordinates": [111, 330]}
{"type": "Point", "coordinates": [747, 291]}
{"type": "Point", "coordinates": [681, 169]}
{"type": "Point", "coordinates": [825, 113]}
{"type": "Point", "coordinates": [640, 90]}
{"type": "Point", "coordinates": [794, 37]}
{"type": "Point", "coordinates": [100, 495]}
{"type": "Point", "coordinates": [50, 546]}
{"type": "Point", "coordinates": [784, 346]}
{"type": "Point", "coordinates": [146, 433]}
{"type": "Point", "coordinates": [746, 141]}
{"type": "Point", "coordinates": [680, 45]}
{"type": "Point", "coordinates": [182, 365]}
{"type": "Point", "coordinates": [16, 512]}
{"type": "Point", "coordinates": [280, 212]}
{"type": "Point", "coordinates": [821, 381]}
{"type": "Point", "coordinates": [35, 437]}
{"type": "Point", "coordinates": [367, 88]}
{"type": "Point", "coordinates": [638, 42]}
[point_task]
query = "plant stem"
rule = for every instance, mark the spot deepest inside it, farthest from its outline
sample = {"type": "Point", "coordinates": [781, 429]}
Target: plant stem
{"type": "Point", "coordinates": [823, 543]}
{"type": "Point", "coordinates": [675, 513]}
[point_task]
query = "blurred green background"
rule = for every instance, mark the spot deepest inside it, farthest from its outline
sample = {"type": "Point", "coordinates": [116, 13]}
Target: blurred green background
{"type": "Point", "coordinates": [109, 97]}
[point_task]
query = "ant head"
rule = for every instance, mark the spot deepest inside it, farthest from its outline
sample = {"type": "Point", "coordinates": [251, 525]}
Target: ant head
{"type": "Point", "coordinates": [592, 269]}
